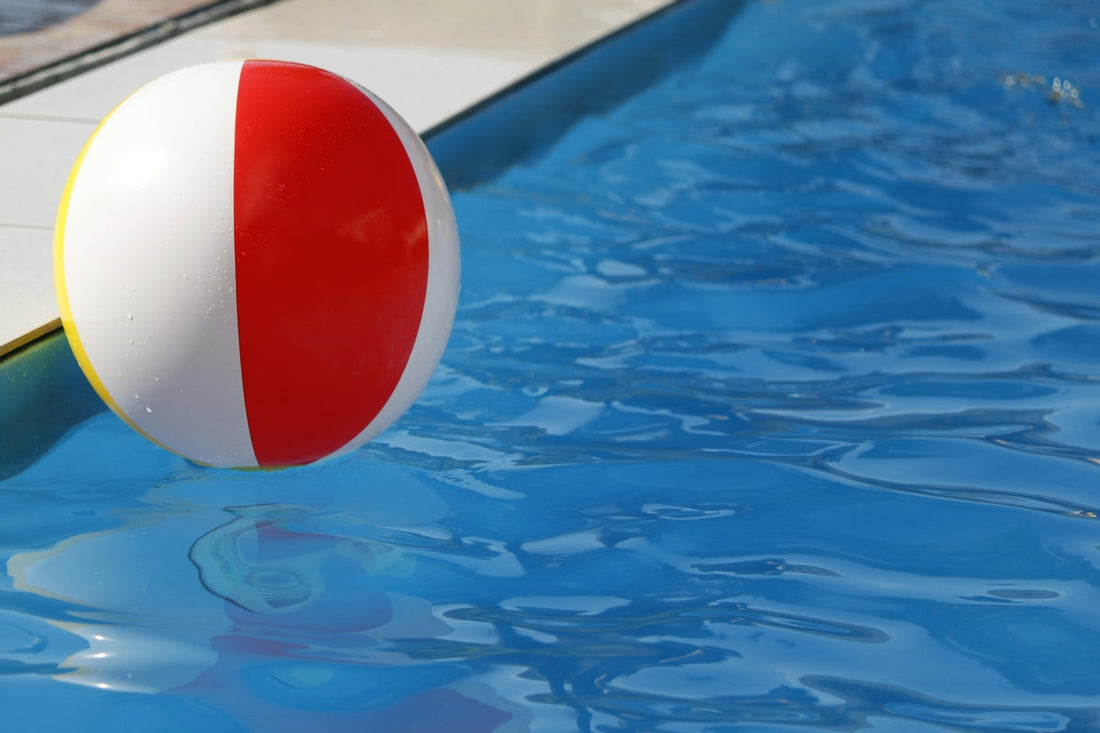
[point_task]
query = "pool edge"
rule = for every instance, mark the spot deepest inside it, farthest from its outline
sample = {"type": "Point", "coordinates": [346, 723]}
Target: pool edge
{"type": "Point", "coordinates": [44, 392]}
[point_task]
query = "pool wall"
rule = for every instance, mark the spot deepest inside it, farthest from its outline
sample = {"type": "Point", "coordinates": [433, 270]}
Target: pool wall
{"type": "Point", "coordinates": [43, 393]}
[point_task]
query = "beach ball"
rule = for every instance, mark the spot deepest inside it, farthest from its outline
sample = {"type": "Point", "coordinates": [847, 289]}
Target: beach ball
{"type": "Point", "coordinates": [257, 263]}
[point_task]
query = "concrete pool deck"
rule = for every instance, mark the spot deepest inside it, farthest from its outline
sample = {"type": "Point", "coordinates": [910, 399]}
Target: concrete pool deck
{"type": "Point", "coordinates": [429, 60]}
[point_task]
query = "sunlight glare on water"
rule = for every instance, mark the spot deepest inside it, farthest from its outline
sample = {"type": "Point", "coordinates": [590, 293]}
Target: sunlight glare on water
{"type": "Point", "coordinates": [773, 403]}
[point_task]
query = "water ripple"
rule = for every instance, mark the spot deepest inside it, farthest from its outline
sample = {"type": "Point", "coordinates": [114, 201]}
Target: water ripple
{"type": "Point", "coordinates": [771, 403]}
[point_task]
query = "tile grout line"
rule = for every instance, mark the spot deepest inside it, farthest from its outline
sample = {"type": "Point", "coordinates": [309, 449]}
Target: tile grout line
{"type": "Point", "coordinates": [33, 227]}
{"type": "Point", "coordinates": [46, 118]}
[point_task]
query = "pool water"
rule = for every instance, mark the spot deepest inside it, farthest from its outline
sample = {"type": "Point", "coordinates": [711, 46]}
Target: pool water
{"type": "Point", "coordinates": [773, 404]}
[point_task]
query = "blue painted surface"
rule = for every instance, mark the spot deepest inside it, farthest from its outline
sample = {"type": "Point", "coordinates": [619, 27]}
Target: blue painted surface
{"type": "Point", "coordinates": [43, 394]}
{"type": "Point", "coordinates": [771, 405]}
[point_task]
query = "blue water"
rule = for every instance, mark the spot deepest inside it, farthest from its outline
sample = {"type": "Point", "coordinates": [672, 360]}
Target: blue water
{"type": "Point", "coordinates": [773, 404]}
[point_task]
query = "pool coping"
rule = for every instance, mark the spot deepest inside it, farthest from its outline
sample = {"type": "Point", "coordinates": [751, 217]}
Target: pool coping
{"type": "Point", "coordinates": [44, 392]}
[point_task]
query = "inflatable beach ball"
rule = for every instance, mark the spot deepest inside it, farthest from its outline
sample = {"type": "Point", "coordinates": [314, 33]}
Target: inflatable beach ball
{"type": "Point", "coordinates": [257, 263]}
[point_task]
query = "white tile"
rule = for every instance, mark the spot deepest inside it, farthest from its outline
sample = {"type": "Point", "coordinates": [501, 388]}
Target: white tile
{"type": "Point", "coordinates": [26, 281]}
{"type": "Point", "coordinates": [35, 159]}
{"type": "Point", "coordinates": [533, 30]}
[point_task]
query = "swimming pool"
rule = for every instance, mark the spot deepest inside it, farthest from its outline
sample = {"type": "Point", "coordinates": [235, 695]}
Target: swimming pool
{"type": "Point", "coordinates": [771, 405]}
